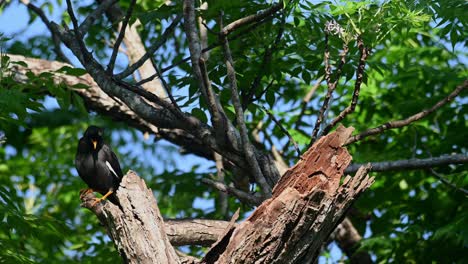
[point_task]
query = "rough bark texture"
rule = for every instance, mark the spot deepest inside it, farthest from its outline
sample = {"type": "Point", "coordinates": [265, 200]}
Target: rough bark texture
{"type": "Point", "coordinates": [306, 206]}
{"type": "Point", "coordinates": [137, 227]}
{"type": "Point", "coordinates": [202, 232]}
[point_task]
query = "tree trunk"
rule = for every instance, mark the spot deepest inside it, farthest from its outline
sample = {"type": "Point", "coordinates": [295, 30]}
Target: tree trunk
{"type": "Point", "coordinates": [290, 227]}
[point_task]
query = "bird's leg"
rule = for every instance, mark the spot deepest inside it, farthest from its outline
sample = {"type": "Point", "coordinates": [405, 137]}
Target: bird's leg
{"type": "Point", "coordinates": [97, 200]}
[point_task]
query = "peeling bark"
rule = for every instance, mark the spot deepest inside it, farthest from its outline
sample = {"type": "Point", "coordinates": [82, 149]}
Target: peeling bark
{"type": "Point", "coordinates": [306, 206]}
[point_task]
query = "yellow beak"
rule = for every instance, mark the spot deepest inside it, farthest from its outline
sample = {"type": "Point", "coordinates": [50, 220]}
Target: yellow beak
{"type": "Point", "coordinates": [94, 143]}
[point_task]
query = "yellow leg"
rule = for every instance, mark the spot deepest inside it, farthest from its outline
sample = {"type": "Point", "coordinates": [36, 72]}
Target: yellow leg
{"type": "Point", "coordinates": [97, 200]}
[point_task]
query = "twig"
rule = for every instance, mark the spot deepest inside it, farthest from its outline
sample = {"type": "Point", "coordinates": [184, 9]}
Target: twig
{"type": "Point", "coordinates": [246, 144]}
{"type": "Point", "coordinates": [85, 56]}
{"type": "Point", "coordinates": [215, 45]}
{"type": "Point", "coordinates": [91, 18]}
{"type": "Point", "coordinates": [284, 130]}
{"type": "Point", "coordinates": [164, 84]}
{"type": "Point", "coordinates": [365, 51]}
{"type": "Point", "coordinates": [55, 37]}
{"type": "Point", "coordinates": [157, 44]}
{"type": "Point", "coordinates": [327, 97]}
{"type": "Point", "coordinates": [306, 100]}
{"type": "Point", "coordinates": [252, 18]}
{"type": "Point", "coordinates": [243, 196]}
{"type": "Point", "coordinates": [248, 98]}
{"type": "Point", "coordinates": [331, 85]}
{"type": "Point", "coordinates": [412, 164]}
{"type": "Point", "coordinates": [447, 182]}
{"type": "Point", "coordinates": [115, 51]}
{"type": "Point", "coordinates": [411, 119]}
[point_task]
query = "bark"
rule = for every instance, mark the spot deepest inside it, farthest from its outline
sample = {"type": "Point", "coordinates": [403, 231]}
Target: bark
{"type": "Point", "coordinates": [136, 226]}
{"type": "Point", "coordinates": [202, 232]}
{"type": "Point", "coordinates": [307, 204]}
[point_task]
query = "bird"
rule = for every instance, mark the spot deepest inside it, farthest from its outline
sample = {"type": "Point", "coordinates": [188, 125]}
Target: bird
{"type": "Point", "coordinates": [98, 166]}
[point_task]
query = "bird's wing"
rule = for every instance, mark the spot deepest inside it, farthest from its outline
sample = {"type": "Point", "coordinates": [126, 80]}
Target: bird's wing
{"type": "Point", "coordinates": [112, 162]}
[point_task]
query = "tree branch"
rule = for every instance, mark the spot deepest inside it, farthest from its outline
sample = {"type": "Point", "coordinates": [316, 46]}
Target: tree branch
{"type": "Point", "coordinates": [252, 18]}
{"type": "Point", "coordinates": [202, 232]}
{"type": "Point", "coordinates": [223, 129]}
{"type": "Point", "coordinates": [155, 46]}
{"type": "Point", "coordinates": [45, 20]}
{"type": "Point", "coordinates": [331, 86]}
{"type": "Point", "coordinates": [412, 164]}
{"type": "Point", "coordinates": [115, 50]}
{"type": "Point", "coordinates": [306, 100]}
{"type": "Point", "coordinates": [136, 225]}
{"type": "Point", "coordinates": [241, 195]}
{"type": "Point", "coordinates": [284, 130]}
{"type": "Point", "coordinates": [91, 18]}
{"type": "Point", "coordinates": [411, 119]}
{"type": "Point", "coordinates": [447, 182]}
{"type": "Point", "coordinates": [246, 144]}
{"type": "Point", "coordinates": [222, 200]}
{"type": "Point", "coordinates": [357, 86]}
{"type": "Point", "coordinates": [248, 97]}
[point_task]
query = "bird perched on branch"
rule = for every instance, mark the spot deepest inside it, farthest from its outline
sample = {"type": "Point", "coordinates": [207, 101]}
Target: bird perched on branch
{"type": "Point", "coordinates": [98, 165]}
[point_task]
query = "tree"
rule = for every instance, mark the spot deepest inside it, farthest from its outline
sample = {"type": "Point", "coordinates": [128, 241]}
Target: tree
{"type": "Point", "coordinates": [251, 87]}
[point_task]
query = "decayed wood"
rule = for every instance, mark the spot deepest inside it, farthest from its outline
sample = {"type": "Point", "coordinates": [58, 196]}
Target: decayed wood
{"type": "Point", "coordinates": [136, 227]}
{"type": "Point", "coordinates": [306, 205]}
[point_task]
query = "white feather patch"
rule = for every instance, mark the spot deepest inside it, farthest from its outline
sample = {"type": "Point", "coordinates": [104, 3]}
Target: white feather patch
{"type": "Point", "coordinates": [110, 168]}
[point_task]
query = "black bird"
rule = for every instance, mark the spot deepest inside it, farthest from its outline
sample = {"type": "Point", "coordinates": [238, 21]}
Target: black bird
{"type": "Point", "coordinates": [98, 165]}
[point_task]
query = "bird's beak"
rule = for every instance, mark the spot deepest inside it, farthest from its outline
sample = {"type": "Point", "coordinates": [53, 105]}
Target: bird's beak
{"type": "Point", "coordinates": [94, 143]}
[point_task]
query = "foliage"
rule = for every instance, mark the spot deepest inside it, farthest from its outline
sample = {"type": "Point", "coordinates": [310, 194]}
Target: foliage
{"type": "Point", "coordinates": [418, 57]}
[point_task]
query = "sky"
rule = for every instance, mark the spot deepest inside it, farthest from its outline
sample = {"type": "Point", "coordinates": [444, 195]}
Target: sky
{"type": "Point", "coordinates": [13, 24]}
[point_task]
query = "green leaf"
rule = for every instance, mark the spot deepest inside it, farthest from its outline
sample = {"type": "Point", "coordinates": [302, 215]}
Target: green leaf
{"type": "Point", "coordinates": [72, 71]}
{"type": "Point", "coordinates": [200, 114]}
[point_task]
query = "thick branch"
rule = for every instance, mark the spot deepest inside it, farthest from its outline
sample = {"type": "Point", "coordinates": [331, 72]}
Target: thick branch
{"type": "Point", "coordinates": [202, 232]}
{"type": "Point", "coordinates": [136, 226]}
{"type": "Point", "coordinates": [246, 144]}
{"type": "Point", "coordinates": [412, 164]}
{"type": "Point", "coordinates": [220, 122]}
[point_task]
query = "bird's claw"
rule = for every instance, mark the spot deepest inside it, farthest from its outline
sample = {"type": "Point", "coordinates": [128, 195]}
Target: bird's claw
{"type": "Point", "coordinates": [96, 201]}
{"type": "Point", "coordinates": [84, 192]}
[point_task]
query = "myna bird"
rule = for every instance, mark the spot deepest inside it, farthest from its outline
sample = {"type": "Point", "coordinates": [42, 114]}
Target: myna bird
{"type": "Point", "coordinates": [98, 165]}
